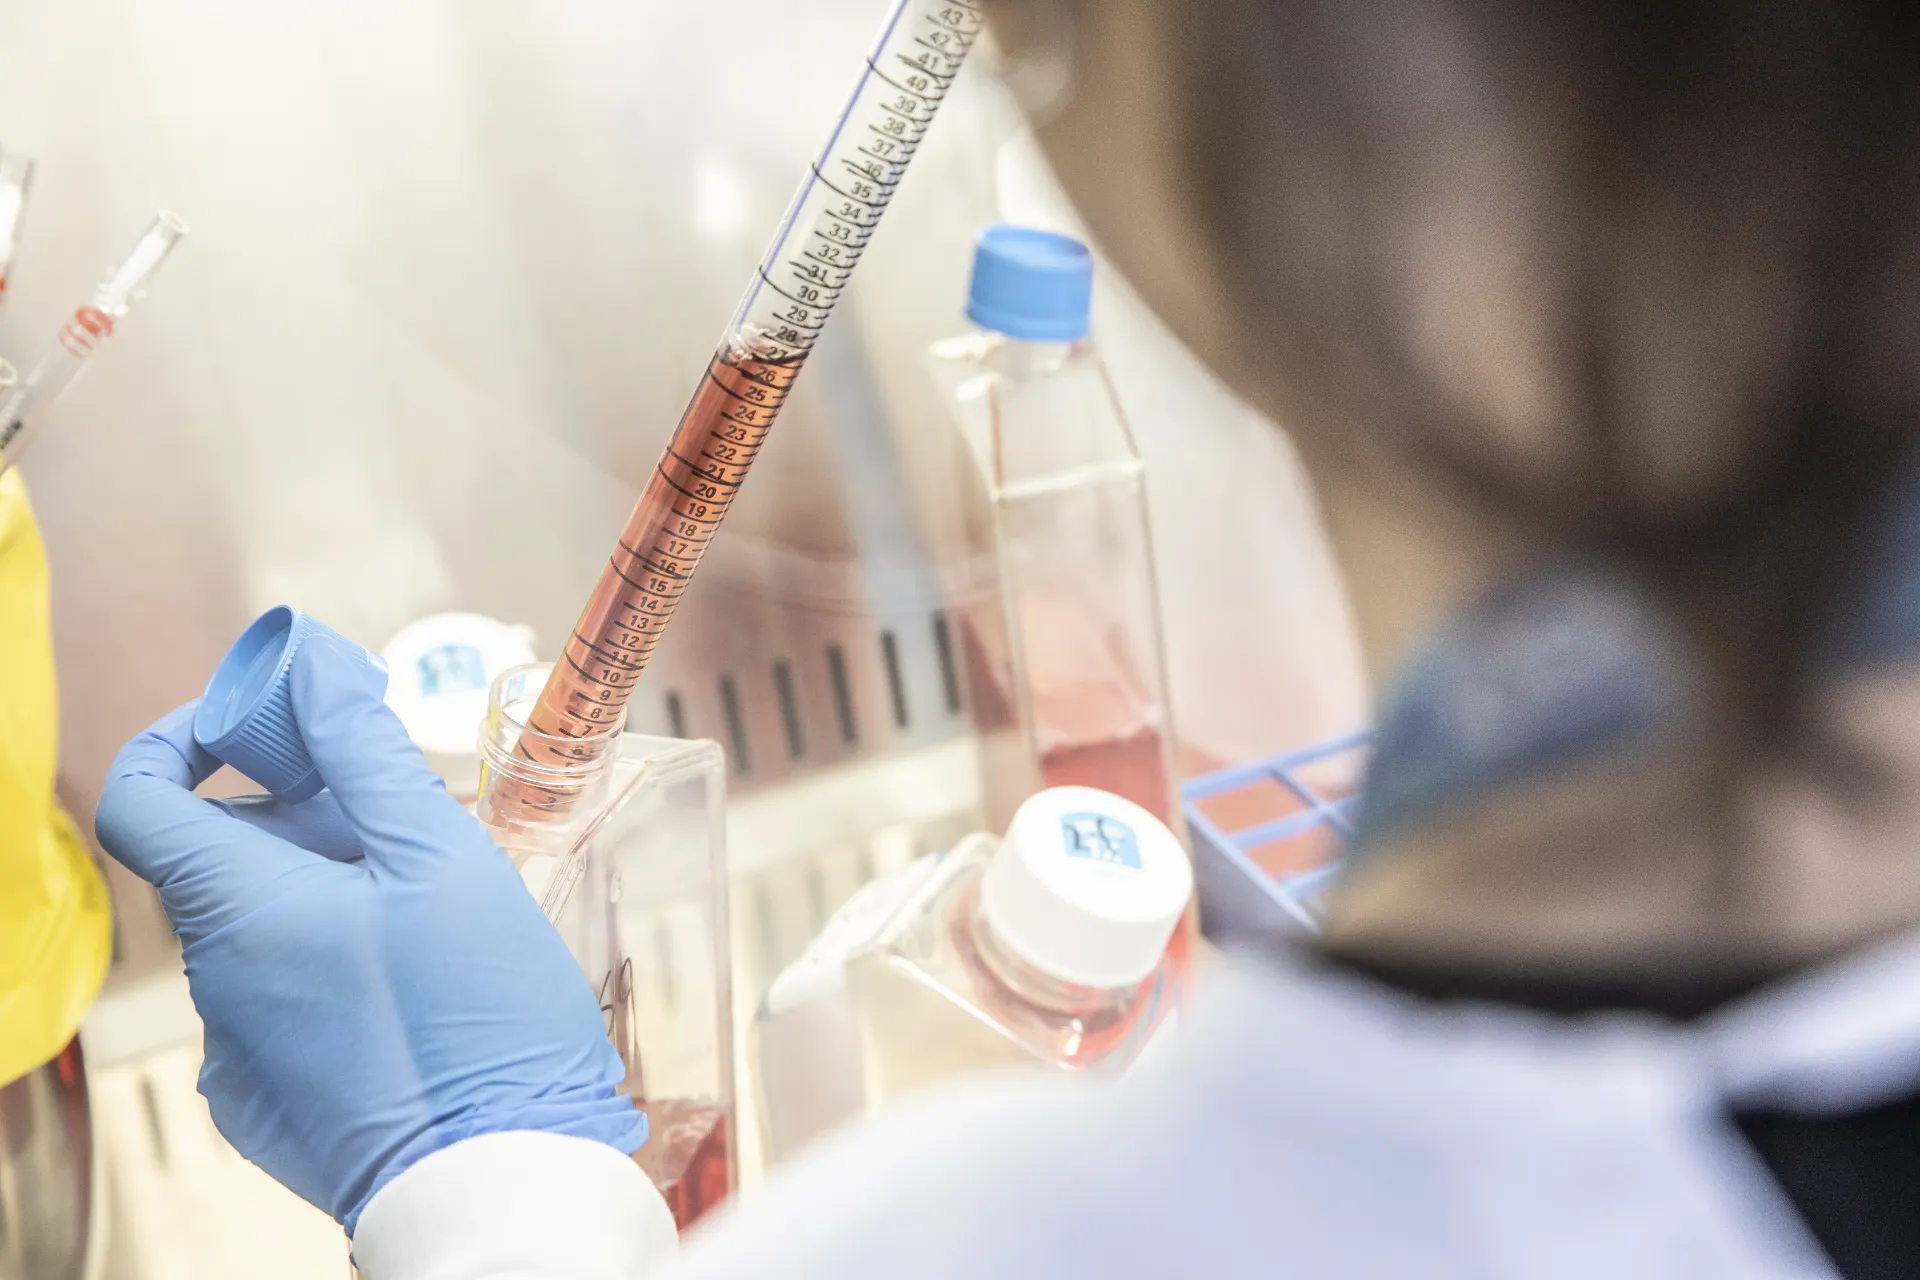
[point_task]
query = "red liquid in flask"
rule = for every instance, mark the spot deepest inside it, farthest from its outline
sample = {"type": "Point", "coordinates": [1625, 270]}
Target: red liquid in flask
{"type": "Point", "coordinates": [1095, 723]}
{"type": "Point", "coordinates": [686, 1155]}
{"type": "Point", "coordinates": [1131, 765]}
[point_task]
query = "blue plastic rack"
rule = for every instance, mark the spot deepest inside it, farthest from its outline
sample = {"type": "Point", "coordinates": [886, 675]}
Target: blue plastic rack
{"type": "Point", "coordinates": [1238, 898]}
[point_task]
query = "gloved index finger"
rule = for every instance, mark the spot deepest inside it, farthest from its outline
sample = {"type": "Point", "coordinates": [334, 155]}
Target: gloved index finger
{"type": "Point", "coordinates": [150, 820]}
{"type": "Point", "coordinates": [166, 750]}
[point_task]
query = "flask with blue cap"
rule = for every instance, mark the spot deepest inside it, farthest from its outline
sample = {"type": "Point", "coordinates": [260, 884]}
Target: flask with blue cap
{"type": "Point", "coordinates": [1065, 662]}
{"type": "Point", "coordinates": [246, 719]}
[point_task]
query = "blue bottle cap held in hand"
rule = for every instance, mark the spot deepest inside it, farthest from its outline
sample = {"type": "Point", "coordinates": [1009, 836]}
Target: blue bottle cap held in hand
{"type": "Point", "coordinates": [374, 981]}
{"type": "Point", "coordinates": [246, 716]}
{"type": "Point", "coordinates": [1031, 284]}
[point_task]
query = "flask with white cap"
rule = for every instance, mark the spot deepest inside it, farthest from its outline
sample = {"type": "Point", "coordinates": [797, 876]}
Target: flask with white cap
{"type": "Point", "coordinates": [1047, 948]}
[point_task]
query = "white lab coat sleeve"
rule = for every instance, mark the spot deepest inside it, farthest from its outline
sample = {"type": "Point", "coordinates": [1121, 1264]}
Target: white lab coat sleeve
{"type": "Point", "coordinates": [517, 1206]}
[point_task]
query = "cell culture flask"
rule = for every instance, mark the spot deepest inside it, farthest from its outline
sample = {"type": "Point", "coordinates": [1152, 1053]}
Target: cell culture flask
{"type": "Point", "coordinates": [1063, 657]}
{"type": "Point", "coordinates": [626, 855]}
{"type": "Point", "coordinates": [1044, 949]}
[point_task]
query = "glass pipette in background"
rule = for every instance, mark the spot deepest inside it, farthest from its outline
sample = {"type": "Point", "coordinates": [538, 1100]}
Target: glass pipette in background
{"type": "Point", "coordinates": [908, 71]}
{"type": "Point", "coordinates": [83, 333]}
{"type": "Point", "coordinates": [16, 174]}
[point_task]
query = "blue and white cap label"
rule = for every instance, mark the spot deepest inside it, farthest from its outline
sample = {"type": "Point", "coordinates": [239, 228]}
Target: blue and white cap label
{"type": "Point", "coordinates": [451, 668]}
{"type": "Point", "coordinates": [1099, 837]}
{"type": "Point", "coordinates": [1087, 887]}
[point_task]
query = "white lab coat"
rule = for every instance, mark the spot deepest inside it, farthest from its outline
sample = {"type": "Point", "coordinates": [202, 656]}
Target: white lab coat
{"type": "Point", "coordinates": [1309, 1123]}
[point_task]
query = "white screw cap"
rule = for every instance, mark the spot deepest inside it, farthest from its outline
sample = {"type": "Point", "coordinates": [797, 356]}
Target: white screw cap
{"type": "Point", "coordinates": [1087, 887]}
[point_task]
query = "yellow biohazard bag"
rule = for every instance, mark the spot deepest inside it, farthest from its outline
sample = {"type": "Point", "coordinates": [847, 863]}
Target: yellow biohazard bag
{"type": "Point", "coordinates": [55, 933]}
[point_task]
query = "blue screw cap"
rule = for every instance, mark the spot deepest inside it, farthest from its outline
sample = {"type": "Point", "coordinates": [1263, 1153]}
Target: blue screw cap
{"type": "Point", "coordinates": [1031, 284]}
{"type": "Point", "coordinates": [245, 718]}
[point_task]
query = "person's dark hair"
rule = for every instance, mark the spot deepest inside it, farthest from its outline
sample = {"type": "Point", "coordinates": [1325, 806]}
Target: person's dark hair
{"type": "Point", "coordinates": [1641, 280]}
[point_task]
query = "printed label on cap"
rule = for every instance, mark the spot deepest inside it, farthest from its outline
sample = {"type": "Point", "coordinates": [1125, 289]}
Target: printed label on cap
{"type": "Point", "coordinates": [451, 668]}
{"type": "Point", "coordinates": [1100, 837]}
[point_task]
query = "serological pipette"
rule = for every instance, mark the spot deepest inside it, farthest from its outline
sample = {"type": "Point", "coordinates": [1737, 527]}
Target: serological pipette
{"type": "Point", "coordinates": [83, 333]}
{"type": "Point", "coordinates": [907, 74]}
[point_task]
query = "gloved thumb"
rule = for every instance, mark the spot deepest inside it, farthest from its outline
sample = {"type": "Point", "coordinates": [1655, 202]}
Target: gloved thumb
{"type": "Point", "coordinates": [396, 805]}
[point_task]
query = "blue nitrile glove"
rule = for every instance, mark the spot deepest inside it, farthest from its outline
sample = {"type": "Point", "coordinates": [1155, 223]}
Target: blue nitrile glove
{"type": "Point", "coordinates": [376, 982]}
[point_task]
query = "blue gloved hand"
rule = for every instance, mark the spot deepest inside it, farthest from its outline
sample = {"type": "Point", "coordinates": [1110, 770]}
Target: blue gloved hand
{"type": "Point", "coordinates": [376, 982]}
